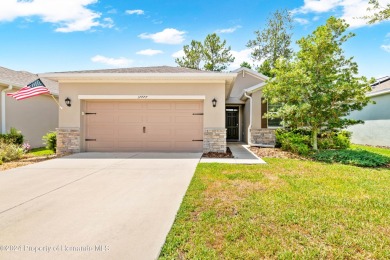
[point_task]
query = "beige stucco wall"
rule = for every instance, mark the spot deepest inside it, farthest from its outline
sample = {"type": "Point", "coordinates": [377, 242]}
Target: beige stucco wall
{"type": "Point", "coordinates": [33, 116]}
{"type": "Point", "coordinates": [244, 81]}
{"type": "Point", "coordinates": [213, 117]}
{"type": "Point", "coordinates": [256, 110]}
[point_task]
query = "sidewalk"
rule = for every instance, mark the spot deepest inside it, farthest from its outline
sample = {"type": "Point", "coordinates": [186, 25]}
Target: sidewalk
{"type": "Point", "coordinates": [241, 153]}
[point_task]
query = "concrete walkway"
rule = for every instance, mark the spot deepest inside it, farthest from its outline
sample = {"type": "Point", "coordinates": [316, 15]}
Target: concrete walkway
{"type": "Point", "coordinates": [241, 153]}
{"type": "Point", "coordinates": [92, 205]}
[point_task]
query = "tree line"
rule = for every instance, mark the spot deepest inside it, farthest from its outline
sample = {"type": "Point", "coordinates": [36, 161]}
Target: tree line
{"type": "Point", "coordinates": [316, 87]}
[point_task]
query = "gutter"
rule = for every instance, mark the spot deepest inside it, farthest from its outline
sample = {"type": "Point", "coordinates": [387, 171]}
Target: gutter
{"type": "Point", "coordinates": [379, 93]}
{"type": "Point", "coordinates": [3, 128]}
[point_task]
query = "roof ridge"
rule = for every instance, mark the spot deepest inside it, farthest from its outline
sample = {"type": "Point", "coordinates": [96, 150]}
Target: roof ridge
{"type": "Point", "coordinates": [146, 69]}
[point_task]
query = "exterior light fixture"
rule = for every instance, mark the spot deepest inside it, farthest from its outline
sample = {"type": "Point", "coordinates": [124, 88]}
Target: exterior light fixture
{"type": "Point", "coordinates": [68, 102]}
{"type": "Point", "coordinates": [214, 101]}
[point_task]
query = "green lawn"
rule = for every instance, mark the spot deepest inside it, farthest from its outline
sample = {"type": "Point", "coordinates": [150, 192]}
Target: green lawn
{"type": "Point", "coordinates": [42, 151]}
{"type": "Point", "coordinates": [382, 151]}
{"type": "Point", "coordinates": [287, 209]}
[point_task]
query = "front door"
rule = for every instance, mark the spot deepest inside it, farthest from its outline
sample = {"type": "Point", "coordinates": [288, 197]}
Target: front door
{"type": "Point", "coordinates": [232, 124]}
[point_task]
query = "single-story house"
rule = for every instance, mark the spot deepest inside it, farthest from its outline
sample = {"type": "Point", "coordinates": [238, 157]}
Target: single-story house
{"type": "Point", "coordinates": [160, 109]}
{"type": "Point", "coordinates": [376, 117]}
{"type": "Point", "coordinates": [34, 116]}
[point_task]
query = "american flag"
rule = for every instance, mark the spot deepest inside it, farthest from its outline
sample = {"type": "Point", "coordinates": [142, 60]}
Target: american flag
{"type": "Point", "coordinates": [33, 89]}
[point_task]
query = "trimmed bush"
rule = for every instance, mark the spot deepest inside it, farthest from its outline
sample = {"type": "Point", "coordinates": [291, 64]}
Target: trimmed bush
{"type": "Point", "coordinates": [10, 152]}
{"type": "Point", "coordinates": [299, 140]}
{"type": "Point", "coordinates": [334, 140]}
{"type": "Point", "coordinates": [13, 137]}
{"type": "Point", "coordinates": [50, 140]}
{"type": "Point", "coordinates": [293, 142]}
{"type": "Point", "coordinates": [358, 157]}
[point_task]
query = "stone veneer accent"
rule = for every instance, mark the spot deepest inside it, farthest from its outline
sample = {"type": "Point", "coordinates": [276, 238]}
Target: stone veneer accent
{"type": "Point", "coordinates": [214, 140]}
{"type": "Point", "coordinates": [68, 140]}
{"type": "Point", "coordinates": [263, 137]}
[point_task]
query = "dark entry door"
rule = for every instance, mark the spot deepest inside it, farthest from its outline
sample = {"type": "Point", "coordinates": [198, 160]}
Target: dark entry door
{"type": "Point", "coordinates": [232, 123]}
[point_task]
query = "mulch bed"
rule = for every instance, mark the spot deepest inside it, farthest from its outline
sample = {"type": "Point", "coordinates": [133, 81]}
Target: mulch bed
{"type": "Point", "coordinates": [228, 154]}
{"type": "Point", "coordinates": [26, 160]}
{"type": "Point", "coordinates": [275, 153]}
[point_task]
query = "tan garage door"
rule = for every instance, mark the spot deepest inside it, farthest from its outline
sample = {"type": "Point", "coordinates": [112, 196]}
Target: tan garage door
{"type": "Point", "coordinates": [151, 126]}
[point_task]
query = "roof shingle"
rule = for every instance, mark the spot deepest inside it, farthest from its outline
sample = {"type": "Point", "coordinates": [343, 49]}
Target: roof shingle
{"type": "Point", "coordinates": [156, 69]}
{"type": "Point", "coordinates": [22, 78]}
{"type": "Point", "coordinates": [380, 85]}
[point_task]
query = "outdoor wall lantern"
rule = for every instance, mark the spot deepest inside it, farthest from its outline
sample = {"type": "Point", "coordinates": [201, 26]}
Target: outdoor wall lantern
{"type": "Point", "coordinates": [68, 102]}
{"type": "Point", "coordinates": [214, 101]}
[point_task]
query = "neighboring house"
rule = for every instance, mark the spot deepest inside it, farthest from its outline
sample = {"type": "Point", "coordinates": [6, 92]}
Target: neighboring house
{"type": "Point", "coordinates": [376, 117]}
{"type": "Point", "coordinates": [33, 116]}
{"type": "Point", "coordinates": [160, 109]}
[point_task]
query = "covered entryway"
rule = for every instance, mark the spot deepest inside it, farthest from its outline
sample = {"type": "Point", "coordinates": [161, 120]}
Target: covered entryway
{"type": "Point", "coordinates": [143, 126]}
{"type": "Point", "coordinates": [232, 123]}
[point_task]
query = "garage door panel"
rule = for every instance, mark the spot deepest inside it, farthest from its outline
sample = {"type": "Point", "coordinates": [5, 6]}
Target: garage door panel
{"type": "Point", "coordinates": [189, 106]}
{"type": "Point", "coordinates": [188, 146]}
{"type": "Point", "coordinates": [129, 131]}
{"type": "Point", "coordinates": [158, 106]}
{"type": "Point", "coordinates": [101, 145]}
{"type": "Point", "coordinates": [101, 118]}
{"type": "Point", "coordinates": [166, 119]}
{"type": "Point", "coordinates": [170, 126]}
{"type": "Point", "coordinates": [188, 134]}
{"type": "Point", "coordinates": [107, 131]}
{"type": "Point", "coordinates": [158, 146]}
{"type": "Point", "coordinates": [129, 106]}
{"type": "Point", "coordinates": [101, 106]}
{"type": "Point", "coordinates": [153, 133]}
{"type": "Point", "coordinates": [130, 118]}
{"type": "Point", "coordinates": [187, 119]}
{"type": "Point", "coordinates": [131, 145]}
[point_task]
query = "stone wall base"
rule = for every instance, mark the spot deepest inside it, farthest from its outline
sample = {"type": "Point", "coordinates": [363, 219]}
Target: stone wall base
{"type": "Point", "coordinates": [214, 140]}
{"type": "Point", "coordinates": [263, 136]}
{"type": "Point", "coordinates": [68, 140]}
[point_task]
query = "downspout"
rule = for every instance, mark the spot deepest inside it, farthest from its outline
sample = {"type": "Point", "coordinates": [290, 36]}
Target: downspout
{"type": "Point", "coordinates": [250, 118]}
{"type": "Point", "coordinates": [3, 128]}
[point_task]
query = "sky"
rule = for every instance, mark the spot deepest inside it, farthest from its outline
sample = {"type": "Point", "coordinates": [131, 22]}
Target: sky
{"type": "Point", "coordinates": [66, 35]}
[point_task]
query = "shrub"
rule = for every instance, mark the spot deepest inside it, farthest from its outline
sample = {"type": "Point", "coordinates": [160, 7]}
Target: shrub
{"type": "Point", "coordinates": [50, 140]}
{"type": "Point", "coordinates": [334, 140]}
{"type": "Point", "coordinates": [13, 137]}
{"type": "Point", "coordinates": [293, 142]}
{"type": "Point", "coordinates": [299, 140]}
{"type": "Point", "coordinates": [352, 157]}
{"type": "Point", "coordinates": [10, 152]}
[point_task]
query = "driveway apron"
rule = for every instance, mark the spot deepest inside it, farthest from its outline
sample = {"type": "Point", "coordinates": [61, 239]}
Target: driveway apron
{"type": "Point", "coordinates": [92, 205]}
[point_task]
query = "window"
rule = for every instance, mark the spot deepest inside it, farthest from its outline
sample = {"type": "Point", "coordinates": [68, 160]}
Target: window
{"type": "Point", "coordinates": [274, 122]}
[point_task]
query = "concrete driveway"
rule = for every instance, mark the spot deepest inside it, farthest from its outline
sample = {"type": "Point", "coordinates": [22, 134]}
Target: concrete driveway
{"type": "Point", "coordinates": [92, 205]}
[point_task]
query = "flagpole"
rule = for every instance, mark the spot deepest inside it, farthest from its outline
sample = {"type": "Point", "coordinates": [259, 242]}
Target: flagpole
{"type": "Point", "coordinates": [55, 100]}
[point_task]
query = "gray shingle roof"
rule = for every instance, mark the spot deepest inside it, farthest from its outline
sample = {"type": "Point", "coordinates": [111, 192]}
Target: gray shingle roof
{"type": "Point", "coordinates": [380, 85]}
{"type": "Point", "coordinates": [22, 78]}
{"type": "Point", "coordinates": [156, 69]}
